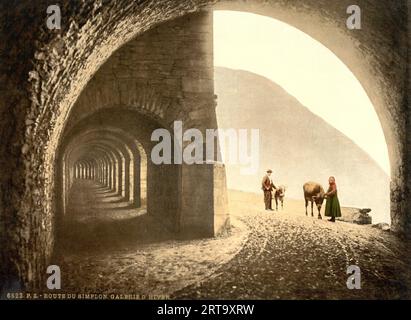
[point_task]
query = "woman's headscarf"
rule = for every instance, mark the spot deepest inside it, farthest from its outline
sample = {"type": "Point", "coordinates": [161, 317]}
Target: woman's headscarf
{"type": "Point", "coordinates": [333, 183]}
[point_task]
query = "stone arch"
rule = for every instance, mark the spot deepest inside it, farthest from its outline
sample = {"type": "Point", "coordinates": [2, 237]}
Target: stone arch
{"type": "Point", "coordinates": [132, 183]}
{"type": "Point", "coordinates": [370, 70]}
{"type": "Point", "coordinates": [65, 62]}
{"type": "Point", "coordinates": [320, 26]}
{"type": "Point", "coordinates": [133, 129]}
{"type": "Point", "coordinates": [137, 97]}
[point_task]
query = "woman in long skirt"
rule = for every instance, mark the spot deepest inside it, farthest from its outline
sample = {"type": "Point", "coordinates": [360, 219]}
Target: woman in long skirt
{"type": "Point", "coordinates": [332, 207]}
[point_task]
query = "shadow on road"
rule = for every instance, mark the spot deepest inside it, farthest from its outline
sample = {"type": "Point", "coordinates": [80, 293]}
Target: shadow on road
{"type": "Point", "coordinates": [100, 221]}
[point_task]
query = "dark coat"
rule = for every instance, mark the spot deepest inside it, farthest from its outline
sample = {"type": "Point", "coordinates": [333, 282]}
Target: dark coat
{"type": "Point", "coordinates": [267, 184]}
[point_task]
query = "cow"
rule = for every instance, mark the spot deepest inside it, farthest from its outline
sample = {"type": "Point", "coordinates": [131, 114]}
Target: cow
{"type": "Point", "coordinates": [279, 194]}
{"type": "Point", "coordinates": [313, 192]}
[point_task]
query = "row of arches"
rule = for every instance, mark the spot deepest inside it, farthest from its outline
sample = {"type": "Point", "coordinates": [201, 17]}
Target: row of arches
{"type": "Point", "coordinates": [110, 157]}
{"type": "Point", "coordinates": [104, 172]}
{"type": "Point", "coordinates": [64, 64]}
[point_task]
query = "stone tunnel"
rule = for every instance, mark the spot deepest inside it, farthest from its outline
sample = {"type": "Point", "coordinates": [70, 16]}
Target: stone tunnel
{"type": "Point", "coordinates": [81, 103]}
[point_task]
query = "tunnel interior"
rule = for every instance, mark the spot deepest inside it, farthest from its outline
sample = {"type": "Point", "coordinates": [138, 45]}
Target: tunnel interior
{"type": "Point", "coordinates": [105, 157]}
{"type": "Point", "coordinates": [108, 185]}
{"type": "Point", "coordinates": [153, 80]}
{"type": "Point", "coordinates": [154, 62]}
{"type": "Point", "coordinates": [104, 152]}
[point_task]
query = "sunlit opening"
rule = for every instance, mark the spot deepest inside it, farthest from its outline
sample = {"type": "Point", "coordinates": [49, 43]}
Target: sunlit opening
{"type": "Point", "coordinates": [306, 69]}
{"type": "Point", "coordinates": [311, 73]}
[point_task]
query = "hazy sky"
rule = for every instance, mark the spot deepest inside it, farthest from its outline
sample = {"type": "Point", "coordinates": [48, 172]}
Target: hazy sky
{"type": "Point", "coordinates": [306, 69]}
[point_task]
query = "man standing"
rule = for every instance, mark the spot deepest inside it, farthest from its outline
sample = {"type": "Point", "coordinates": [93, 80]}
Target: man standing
{"type": "Point", "coordinates": [268, 186]}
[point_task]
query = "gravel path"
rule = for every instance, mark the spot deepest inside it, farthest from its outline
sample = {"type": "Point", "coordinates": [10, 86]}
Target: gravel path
{"type": "Point", "coordinates": [289, 256]}
{"type": "Point", "coordinates": [269, 255]}
{"type": "Point", "coordinates": [108, 248]}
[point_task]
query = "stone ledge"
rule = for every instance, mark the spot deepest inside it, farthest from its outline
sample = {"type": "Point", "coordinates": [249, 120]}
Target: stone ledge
{"type": "Point", "coordinates": [356, 215]}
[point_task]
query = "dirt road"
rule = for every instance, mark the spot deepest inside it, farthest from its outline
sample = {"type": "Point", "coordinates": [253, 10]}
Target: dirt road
{"type": "Point", "coordinates": [269, 255]}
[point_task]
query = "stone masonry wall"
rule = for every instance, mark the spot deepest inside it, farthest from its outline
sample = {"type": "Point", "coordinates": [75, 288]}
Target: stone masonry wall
{"type": "Point", "coordinates": [166, 74]}
{"type": "Point", "coordinates": [43, 72]}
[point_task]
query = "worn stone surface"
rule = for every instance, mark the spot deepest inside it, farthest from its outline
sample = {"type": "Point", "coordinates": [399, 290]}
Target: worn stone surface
{"type": "Point", "coordinates": [166, 75]}
{"type": "Point", "coordinates": [382, 226]}
{"type": "Point", "coordinates": [281, 255]}
{"type": "Point", "coordinates": [358, 216]}
{"type": "Point", "coordinates": [111, 248]}
{"type": "Point", "coordinates": [290, 256]}
{"type": "Point", "coordinates": [43, 72]}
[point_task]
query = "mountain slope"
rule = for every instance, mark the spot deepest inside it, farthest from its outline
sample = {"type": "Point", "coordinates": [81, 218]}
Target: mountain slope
{"type": "Point", "coordinates": [298, 145]}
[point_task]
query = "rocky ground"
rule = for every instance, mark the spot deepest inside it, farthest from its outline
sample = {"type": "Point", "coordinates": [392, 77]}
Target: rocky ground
{"type": "Point", "coordinates": [269, 255]}
{"type": "Point", "coordinates": [290, 256]}
{"type": "Point", "coordinates": [111, 248]}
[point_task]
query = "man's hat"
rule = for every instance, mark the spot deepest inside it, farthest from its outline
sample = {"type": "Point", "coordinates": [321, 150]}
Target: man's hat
{"type": "Point", "coordinates": [269, 171]}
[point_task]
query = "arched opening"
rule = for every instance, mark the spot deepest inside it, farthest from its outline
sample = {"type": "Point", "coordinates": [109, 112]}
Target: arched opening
{"type": "Point", "coordinates": [319, 30]}
{"type": "Point", "coordinates": [310, 111]}
{"type": "Point", "coordinates": [66, 66]}
{"type": "Point", "coordinates": [132, 162]}
{"type": "Point", "coordinates": [108, 187]}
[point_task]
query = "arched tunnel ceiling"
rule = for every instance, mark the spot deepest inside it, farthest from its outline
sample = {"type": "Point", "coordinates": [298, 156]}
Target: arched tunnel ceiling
{"type": "Point", "coordinates": [87, 147]}
{"type": "Point", "coordinates": [52, 69]}
{"type": "Point", "coordinates": [317, 23]}
{"type": "Point", "coordinates": [115, 138]}
{"type": "Point", "coordinates": [130, 127]}
{"type": "Point", "coordinates": [107, 154]}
